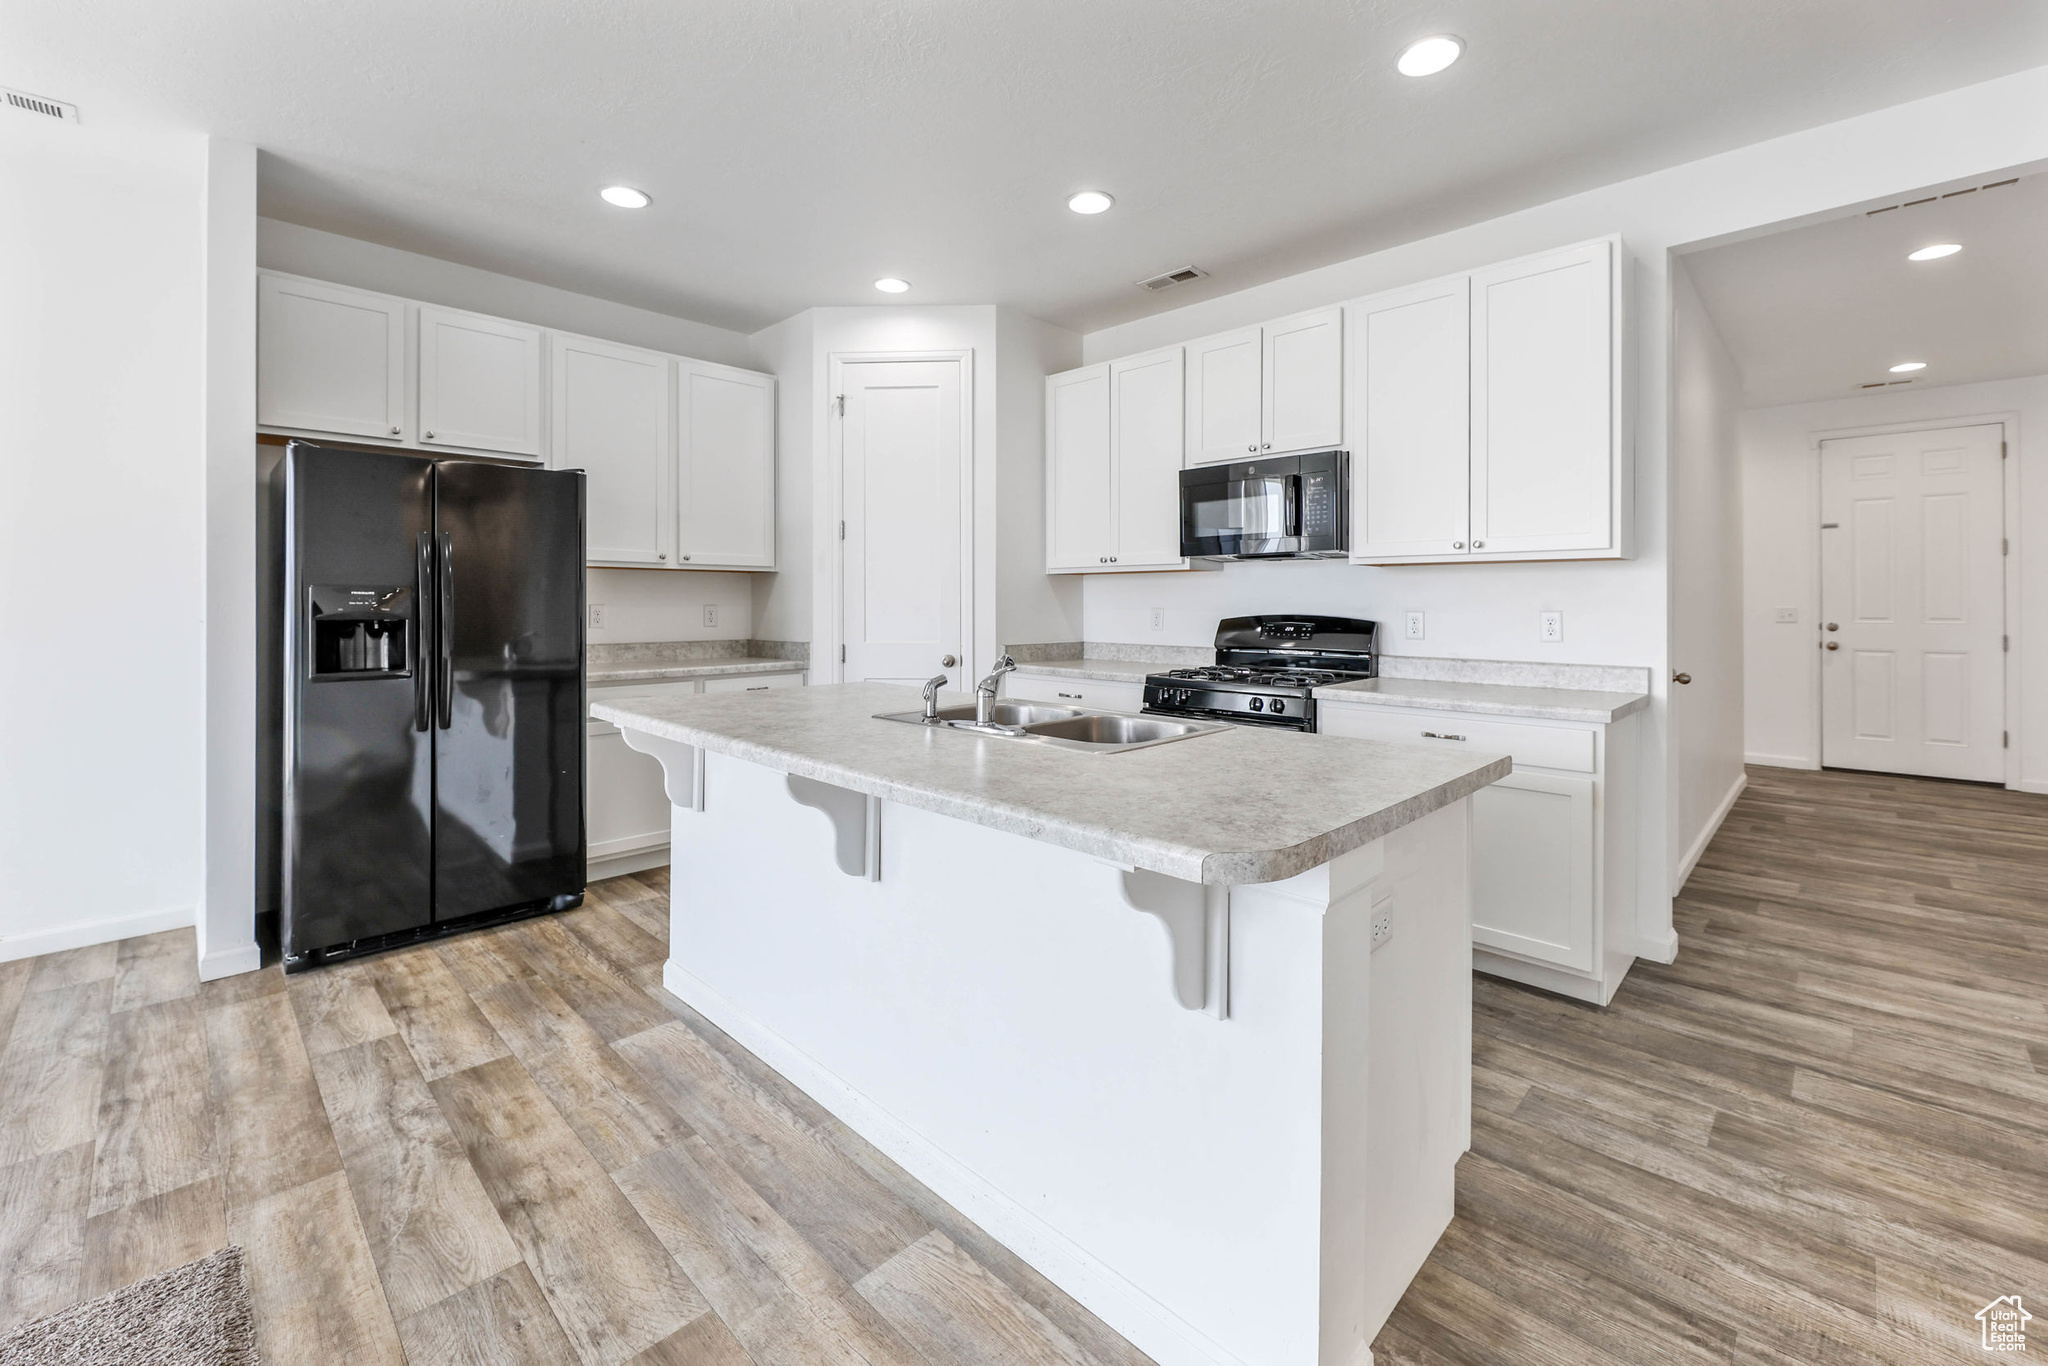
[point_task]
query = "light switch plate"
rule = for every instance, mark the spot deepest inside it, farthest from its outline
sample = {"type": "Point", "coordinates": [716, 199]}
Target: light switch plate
{"type": "Point", "coordinates": [1415, 626]}
{"type": "Point", "coordinates": [1787, 616]}
{"type": "Point", "coordinates": [711, 614]}
{"type": "Point", "coordinates": [597, 616]}
{"type": "Point", "coordinates": [1552, 626]}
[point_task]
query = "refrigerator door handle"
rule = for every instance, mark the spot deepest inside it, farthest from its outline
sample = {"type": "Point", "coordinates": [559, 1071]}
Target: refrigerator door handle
{"type": "Point", "coordinates": [444, 634]}
{"type": "Point", "coordinates": [422, 631]}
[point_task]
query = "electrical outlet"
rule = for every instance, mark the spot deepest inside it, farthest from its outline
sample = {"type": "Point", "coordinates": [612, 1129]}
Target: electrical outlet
{"type": "Point", "coordinates": [1159, 618]}
{"type": "Point", "coordinates": [1552, 627]}
{"type": "Point", "coordinates": [1382, 925]}
{"type": "Point", "coordinates": [1788, 616]}
{"type": "Point", "coordinates": [1415, 626]}
{"type": "Point", "coordinates": [597, 616]}
{"type": "Point", "coordinates": [711, 614]}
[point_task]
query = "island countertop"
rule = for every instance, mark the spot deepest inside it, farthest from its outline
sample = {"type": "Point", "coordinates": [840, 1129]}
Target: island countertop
{"type": "Point", "coordinates": [1241, 805]}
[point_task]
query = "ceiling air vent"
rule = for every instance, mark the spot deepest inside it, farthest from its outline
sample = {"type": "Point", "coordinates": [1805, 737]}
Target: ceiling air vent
{"type": "Point", "coordinates": [36, 104]}
{"type": "Point", "coordinates": [1172, 278]}
{"type": "Point", "coordinates": [1884, 384]}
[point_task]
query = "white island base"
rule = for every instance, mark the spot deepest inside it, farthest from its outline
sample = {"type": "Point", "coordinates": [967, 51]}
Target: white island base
{"type": "Point", "coordinates": [1218, 1118]}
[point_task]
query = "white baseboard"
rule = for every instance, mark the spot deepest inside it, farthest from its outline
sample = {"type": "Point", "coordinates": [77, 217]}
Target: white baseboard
{"type": "Point", "coordinates": [597, 868]}
{"type": "Point", "coordinates": [58, 938]}
{"type": "Point", "coordinates": [1149, 1325]}
{"type": "Point", "coordinates": [1663, 949]}
{"type": "Point", "coordinates": [1706, 836]}
{"type": "Point", "coordinates": [232, 961]}
{"type": "Point", "coordinates": [2030, 785]}
{"type": "Point", "coordinates": [1783, 761]}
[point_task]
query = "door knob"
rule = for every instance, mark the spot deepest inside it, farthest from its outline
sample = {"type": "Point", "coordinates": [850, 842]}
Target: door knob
{"type": "Point", "coordinates": [1834, 645]}
{"type": "Point", "coordinates": [948, 661]}
{"type": "Point", "coordinates": [1832, 626]}
{"type": "Point", "coordinates": [1681, 678]}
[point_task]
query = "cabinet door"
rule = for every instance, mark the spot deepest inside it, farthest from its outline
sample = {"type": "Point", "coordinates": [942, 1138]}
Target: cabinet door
{"type": "Point", "coordinates": [1532, 868]}
{"type": "Point", "coordinates": [1411, 423]}
{"type": "Point", "coordinates": [1304, 383]}
{"type": "Point", "coordinates": [725, 459]}
{"type": "Point", "coordinates": [479, 382]}
{"type": "Point", "coordinates": [1079, 490]}
{"type": "Point", "coordinates": [1543, 402]}
{"type": "Point", "coordinates": [611, 420]}
{"type": "Point", "coordinates": [1093, 693]}
{"type": "Point", "coordinates": [1224, 386]}
{"type": "Point", "coordinates": [1146, 449]}
{"type": "Point", "coordinates": [329, 359]}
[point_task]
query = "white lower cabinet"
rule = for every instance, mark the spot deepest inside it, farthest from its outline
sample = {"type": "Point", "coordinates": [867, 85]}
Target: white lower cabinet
{"type": "Point", "coordinates": [626, 807]}
{"type": "Point", "coordinates": [1553, 843]}
{"type": "Point", "coordinates": [1080, 692]}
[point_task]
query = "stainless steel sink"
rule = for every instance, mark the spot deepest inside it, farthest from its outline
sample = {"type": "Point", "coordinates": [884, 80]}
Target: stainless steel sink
{"type": "Point", "coordinates": [1073, 728]}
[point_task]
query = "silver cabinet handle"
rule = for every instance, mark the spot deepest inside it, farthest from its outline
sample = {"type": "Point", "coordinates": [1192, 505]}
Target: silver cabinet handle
{"type": "Point", "coordinates": [662, 556]}
{"type": "Point", "coordinates": [1457, 545]}
{"type": "Point", "coordinates": [686, 557]}
{"type": "Point", "coordinates": [427, 436]}
{"type": "Point", "coordinates": [1252, 447]}
{"type": "Point", "coordinates": [1265, 445]}
{"type": "Point", "coordinates": [1070, 696]}
{"type": "Point", "coordinates": [1439, 735]}
{"type": "Point", "coordinates": [1479, 545]}
{"type": "Point", "coordinates": [394, 431]}
{"type": "Point", "coordinates": [1112, 559]}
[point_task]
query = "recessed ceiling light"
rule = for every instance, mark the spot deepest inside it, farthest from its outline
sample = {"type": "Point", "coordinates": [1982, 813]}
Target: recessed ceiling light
{"type": "Point", "coordinates": [889, 284]}
{"type": "Point", "coordinates": [624, 197]}
{"type": "Point", "coordinates": [1906, 366]}
{"type": "Point", "coordinates": [1935, 252]}
{"type": "Point", "coordinates": [1090, 201]}
{"type": "Point", "coordinates": [1430, 55]}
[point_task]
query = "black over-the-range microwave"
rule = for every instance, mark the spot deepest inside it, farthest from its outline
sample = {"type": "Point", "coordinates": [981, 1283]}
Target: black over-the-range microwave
{"type": "Point", "coordinates": [1283, 506]}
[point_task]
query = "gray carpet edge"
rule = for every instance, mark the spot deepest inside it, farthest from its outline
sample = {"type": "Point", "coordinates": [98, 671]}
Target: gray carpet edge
{"type": "Point", "coordinates": [193, 1315]}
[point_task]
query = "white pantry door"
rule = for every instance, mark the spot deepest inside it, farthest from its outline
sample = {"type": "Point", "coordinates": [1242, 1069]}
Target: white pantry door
{"type": "Point", "coordinates": [902, 452]}
{"type": "Point", "coordinates": [1913, 603]}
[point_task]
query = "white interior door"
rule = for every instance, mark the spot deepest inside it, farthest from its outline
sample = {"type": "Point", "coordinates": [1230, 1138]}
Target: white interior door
{"type": "Point", "coordinates": [903, 452]}
{"type": "Point", "coordinates": [1913, 603]}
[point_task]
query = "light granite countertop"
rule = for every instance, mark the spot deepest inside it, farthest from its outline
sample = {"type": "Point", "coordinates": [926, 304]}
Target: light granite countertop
{"type": "Point", "coordinates": [1486, 699]}
{"type": "Point", "coordinates": [1239, 805]}
{"type": "Point", "coordinates": [640, 671]}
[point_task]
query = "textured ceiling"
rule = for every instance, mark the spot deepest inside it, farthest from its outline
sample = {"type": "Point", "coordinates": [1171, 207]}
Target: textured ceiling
{"type": "Point", "coordinates": [1818, 312]}
{"type": "Point", "coordinates": [798, 149]}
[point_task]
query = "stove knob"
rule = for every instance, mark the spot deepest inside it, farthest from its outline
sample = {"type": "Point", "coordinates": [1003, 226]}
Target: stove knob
{"type": "Point", "coordinates": [1279, 705]}
{"type": "Point", "coordinates": [1258, 704]}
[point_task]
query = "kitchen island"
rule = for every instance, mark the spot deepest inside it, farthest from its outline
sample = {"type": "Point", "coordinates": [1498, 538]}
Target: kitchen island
{"type": "Point", "coordinates": [1125, 1010]}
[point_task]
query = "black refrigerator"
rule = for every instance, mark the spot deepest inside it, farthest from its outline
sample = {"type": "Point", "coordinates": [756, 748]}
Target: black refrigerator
{"type": "Point", "coordinates": [431, 761]}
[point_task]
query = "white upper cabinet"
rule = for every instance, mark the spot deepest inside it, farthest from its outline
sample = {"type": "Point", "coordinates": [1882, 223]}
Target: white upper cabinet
{"type": "Point", "coordinates": [480, 382]}
{"type": "Point", "coordinates": [611, 420]}
{"type": "Point", "coordinates": [1113, 452]}
{"type": "Point", "coordinates": [1304, 383]}
{"type": "Point", "coordinates": [725, 464]}
{"type": "Point", "coordinates": [1225, 382]}
{"type": "Point", "coordinates": [330, 359]}
{"type": "Point", "coordinates": [1411, 423]}
{"type": "Point", "coordinates": [1079, 485]}
{"type": "Point", "coordinates": [1488, 418]}
{"type": "Point", "coordinates": [1267, 390]}
{"type": "Point", "coordinates": [1545, 414]}
{"type": "Point", "coordinates": [1146, 449]}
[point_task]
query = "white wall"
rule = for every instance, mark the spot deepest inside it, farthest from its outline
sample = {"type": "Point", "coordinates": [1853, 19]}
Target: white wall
{"type": "Point", "coordinates": [1031, 605]}
{"type": "Point", "coordinates": [782, 600]}
{"type": "Point", "coordinates": [1706, 573]}
{"type": "Point", "coordinates": [1614, 613]}
{"type": "Point", "coordinates": [102, 532]}
{"type": "Point", "coordinates": [668, 604]}
{"type": "Point", "coordinates": [1781, 557]}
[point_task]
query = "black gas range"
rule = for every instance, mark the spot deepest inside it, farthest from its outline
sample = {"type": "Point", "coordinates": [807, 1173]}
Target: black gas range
{"type": "Point", "coordinates": [1267, 670]}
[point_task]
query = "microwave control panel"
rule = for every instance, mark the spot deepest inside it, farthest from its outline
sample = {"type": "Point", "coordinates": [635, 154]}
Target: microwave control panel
{"type": "Point", "coordinates": [1318, 503]}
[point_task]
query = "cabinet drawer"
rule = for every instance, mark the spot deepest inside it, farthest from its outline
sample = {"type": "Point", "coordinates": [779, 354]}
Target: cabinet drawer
{"type": "Point", "coordinates": [619, 692]}
{"type": "Point", "coordinates": [1085, 692]}
{"type": "Point", "coordinates": [753, 682]}
{"type": "Point", "coordinates": [1532, 744]}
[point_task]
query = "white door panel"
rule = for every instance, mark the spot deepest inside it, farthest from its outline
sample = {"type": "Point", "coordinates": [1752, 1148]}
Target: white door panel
{"type": "Point", "coordinates": [1532, 870]}
{"type": "Point", "coordinates": [1304, 383]}
{"type": "Point", "coordinates": [1147, 449]}
{"type": "Point", "coordinates": [1079, 479]}
{"type": "Point", "coordinates": [725, 467]}
{"type": "Point", "coordinates": [1412, 446]}
{"type": "Point", "coordinates": [1912, 569]}
{"type": "Point", "coordinates": [329, 359]}
{"type": "Point", "coordinates": [611, 420]}
{"type": "Point", "coordinates": [1225, 379]}
{"type": "Point", "coordinates": [902, 455]}
{"type": "Point", "coordinates": [480, 382]}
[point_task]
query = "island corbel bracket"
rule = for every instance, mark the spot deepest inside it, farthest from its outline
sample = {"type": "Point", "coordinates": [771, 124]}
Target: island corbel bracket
{"type": "Point", "coordinates": [856, 823]}
{"type": "Point", "coordinates": [682, 767]}
{"type": "Point", "coordinates": [1197, 920]}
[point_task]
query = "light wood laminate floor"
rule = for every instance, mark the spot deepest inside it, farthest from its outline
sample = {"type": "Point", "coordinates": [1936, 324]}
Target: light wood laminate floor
{"type": "Point", "coordinates": [1819, 1137]}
